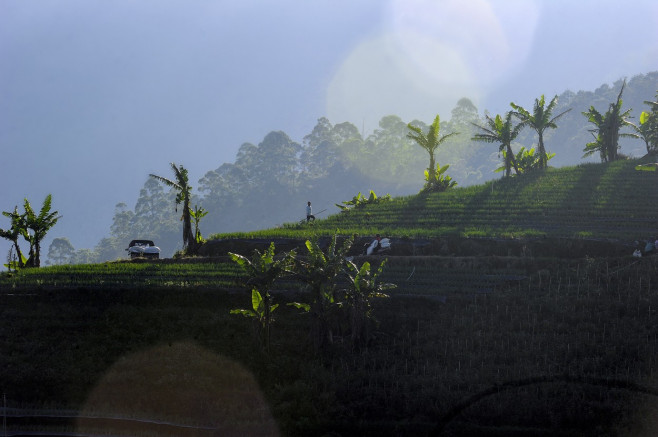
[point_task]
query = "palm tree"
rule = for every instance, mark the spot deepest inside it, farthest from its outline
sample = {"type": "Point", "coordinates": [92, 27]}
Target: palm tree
{"type": "Point", "coordinates": [539, 121]}
{"type": "Point", "coordinates": [606, 133]}
{"type": "Point", "coordinates": [503, 132]}
{"type": "Point", "coordinates": [39, 225]}
{"type": "Point", "coordinates": [430, 142]}
{"type": "Point", "coordinates": [181, 184]}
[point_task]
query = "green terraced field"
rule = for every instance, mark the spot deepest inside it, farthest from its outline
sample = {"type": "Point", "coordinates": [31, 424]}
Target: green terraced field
{"type": "Point", "coordinates": [610, 200]}
{"type": "Point", "coordinates": [465, 345]}
{"type": "Point", "coordinates": [126, 275]}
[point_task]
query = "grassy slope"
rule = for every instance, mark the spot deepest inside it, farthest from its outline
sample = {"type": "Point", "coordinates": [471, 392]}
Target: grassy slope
{"type": "Point", "coordinates": [158, 342]}
{"type": "Point", "coordinates": [591, 200]}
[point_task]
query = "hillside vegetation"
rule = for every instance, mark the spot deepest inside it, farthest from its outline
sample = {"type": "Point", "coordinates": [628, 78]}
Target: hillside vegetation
{"type": "Point", "coordinates": [611, 200]}
{"type": "Point", "coordinates": [517, 344]}
{"type": "Point", "coordinates": [269, 182]}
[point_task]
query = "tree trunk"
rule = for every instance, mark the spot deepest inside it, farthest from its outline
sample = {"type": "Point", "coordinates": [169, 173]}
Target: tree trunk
{"type": "Point", "coordinates": [542, 151]}
{"type": "Point", "coordinates": [432, 170]}
{"type": "Point", "coordinates": [19, 254]}
{"type": "Point", "coordinates": [512, 160]}
{"type": "Point", "coordinates": [189, 242]}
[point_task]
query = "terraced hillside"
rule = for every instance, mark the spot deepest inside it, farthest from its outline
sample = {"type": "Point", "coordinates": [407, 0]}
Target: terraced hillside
{"type": "Point", "coordinates": [610, 201]}
{"type": "Point", "coordinates": [482, 336]}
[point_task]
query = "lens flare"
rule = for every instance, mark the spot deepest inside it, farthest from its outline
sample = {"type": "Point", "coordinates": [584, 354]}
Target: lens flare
{"type": "Point", "coordinates": [431, 54]}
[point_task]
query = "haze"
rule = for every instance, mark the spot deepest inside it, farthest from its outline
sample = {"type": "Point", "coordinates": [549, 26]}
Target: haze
{"type": "Point", "coordinates": [96, 95]}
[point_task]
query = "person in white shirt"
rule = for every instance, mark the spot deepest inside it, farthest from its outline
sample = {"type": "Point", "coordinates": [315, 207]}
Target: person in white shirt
{"type": "Point", "coordinates": [309, 212]}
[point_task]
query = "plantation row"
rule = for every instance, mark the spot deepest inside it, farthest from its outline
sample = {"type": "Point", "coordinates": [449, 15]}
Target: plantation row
{"type": "Point", "coordinates": [600, 201]}
{"type": "Point", "coordinates": [429, 276]}
{"type": "Point", "coordinates": [433, 276]}
{"type": "Point", "coordinates": [125, 275]}
{"type": "Point", "coordinates": [416, 278]}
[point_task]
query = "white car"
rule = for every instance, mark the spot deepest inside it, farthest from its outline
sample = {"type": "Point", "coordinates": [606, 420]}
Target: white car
{"type": "Point", "coordinates": [143, 248]}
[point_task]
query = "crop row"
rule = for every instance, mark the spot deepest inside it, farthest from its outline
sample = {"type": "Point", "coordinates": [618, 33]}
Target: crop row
{"type": "Point", "coordinates": [126, 275]}
{"type": "Point", "coordinates": [422, 279]}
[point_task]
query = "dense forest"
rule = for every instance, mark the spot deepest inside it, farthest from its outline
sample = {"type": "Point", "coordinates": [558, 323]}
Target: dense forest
{"type": "Point", "coordinates": [269, 184]}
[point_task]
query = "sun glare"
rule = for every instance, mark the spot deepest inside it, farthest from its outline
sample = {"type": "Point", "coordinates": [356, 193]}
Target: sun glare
{"type": "Point", "coordinates": [432, 54]}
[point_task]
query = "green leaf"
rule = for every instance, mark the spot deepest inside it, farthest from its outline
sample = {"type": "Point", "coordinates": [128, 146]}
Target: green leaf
{"type": "Point", "coordinates": [300, 306]}
{"type": "Point", "coordinates": [365, 269]}
{"type": "Point", "coordinates": [241, 260]}
{"type": "Point", "coordinates": [246, 313]}
{"type": "Point", "coordinates": [256, 300]}
{"type": "Point", "coordinates": [644, 117]}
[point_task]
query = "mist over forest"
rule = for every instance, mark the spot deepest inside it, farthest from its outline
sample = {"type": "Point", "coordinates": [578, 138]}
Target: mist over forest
{"type": "Point", "coordinates": [269, 183]}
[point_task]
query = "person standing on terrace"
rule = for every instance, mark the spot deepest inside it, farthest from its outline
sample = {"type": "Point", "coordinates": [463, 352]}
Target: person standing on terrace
{"type": "Point", "coordinates": [309, 212]}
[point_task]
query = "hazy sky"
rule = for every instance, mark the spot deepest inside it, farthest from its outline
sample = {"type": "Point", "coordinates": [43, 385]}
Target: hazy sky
{"type": "Point", "coordinates": [95, 95]}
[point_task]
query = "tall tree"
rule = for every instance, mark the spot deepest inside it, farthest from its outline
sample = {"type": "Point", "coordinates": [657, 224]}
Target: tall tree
{"type": "Point", "coordinates": [181, 184]}
{"type": "Point", "coordinates": [607, 129]}
{"type": "Point", "coordinates": [502, 132]}
{"type": "Point", "coordinates": [319, 150]}
{"type": "Point", "coordinates": [430, 142]}
{"type": "Point", "coordinates": [539, 120]}
{"type": "Point", "coordinates": [464, 112]}
{"type": "Point", "coordinates": [60, 251]}
{"type": "Point", "coordinates": [277, 162]}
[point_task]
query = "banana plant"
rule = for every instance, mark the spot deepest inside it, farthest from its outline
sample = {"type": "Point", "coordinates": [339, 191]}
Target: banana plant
{"type": "Point", "coordinates": [526, 160]}
{"type": "Point", "coordinates": [364, 285]}
{"type": "Point", "coordinates": [15, 261]}
{"type": "Point", "coordinates": [39, 225]}
{"type": "Point", "coordinates": [429, 141]}
{"type": "Point", "coordinates": [262, 271]}
{"type": "Point", "coordinates": [360, 200]}
{"type": "Point", "coordinates": [181, 184]}
{"type": "Point", "coordinates": [503, 132]}
{"type": "Point", "coordinates": [438, 181]}
{"type": "Point", "coordinates": [648, 128]}
{"type": "Point", "coordinates": [320, 272]}
{"type": "Point", "coordinates": [197, 214]}
{"type": "Point", "coordinates": [540, 119]}
{"type": "Point", "coordinates": [261, 311]}
{"type": "Point", "coordinates": [347, 204]}
{"type": "Point", "coordinates": [607, 128]}
{"type": "Point", "coordinates": [12, 234]}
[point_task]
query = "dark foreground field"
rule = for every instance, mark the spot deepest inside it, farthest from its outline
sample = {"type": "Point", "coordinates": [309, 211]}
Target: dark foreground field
{"type": "Point", "coordinates": [515, 347]}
